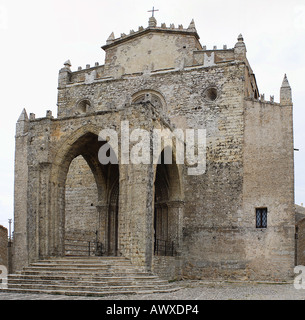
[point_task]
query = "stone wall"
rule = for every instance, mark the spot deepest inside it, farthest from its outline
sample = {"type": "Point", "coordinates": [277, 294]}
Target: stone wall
{"type": "Point", "coordinates": [20, 253]}
{"type": "Point", "coordinates": [268, 181]}
{"type": "Point", "coordinates": [3, 246]}
{"type": "Point", "coordinates": [300, 235]}
{"type": "Point", "coordinates": [150, 52]}
{"type": "Point", "coordinates": [213, 201]}
{"type": "Point", "coordinates": [167, 267]}
{"type": "Point", "coordinates": [301, 243]}
{"type": "Point", "coordinates": [81, 197]}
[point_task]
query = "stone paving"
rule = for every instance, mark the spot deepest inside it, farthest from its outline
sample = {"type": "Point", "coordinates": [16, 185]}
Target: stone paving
{"type": "Point", "coordinates": [192, 290]}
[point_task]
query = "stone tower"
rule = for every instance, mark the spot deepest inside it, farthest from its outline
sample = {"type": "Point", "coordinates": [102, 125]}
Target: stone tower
{"type": "Point", "coordinates": [234, 220]}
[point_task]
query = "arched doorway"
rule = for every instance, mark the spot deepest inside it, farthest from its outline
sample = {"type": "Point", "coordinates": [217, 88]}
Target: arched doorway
{"type": "Point", "coordinates": [96, 228]}
{"type": "Point", "coordinates": [167, 215]}
{"type": "Point", "coordinates": [81, 219]}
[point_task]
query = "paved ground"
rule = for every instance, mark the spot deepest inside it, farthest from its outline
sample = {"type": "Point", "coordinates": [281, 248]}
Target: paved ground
{"type": "Point", "coordinates": [192, 290]}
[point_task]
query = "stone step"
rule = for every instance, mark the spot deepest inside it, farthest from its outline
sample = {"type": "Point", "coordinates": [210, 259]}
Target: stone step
{"type": "Point", "coordinates": [74, 277]}
{"type": "Point", "coordinates": [87, 273]}
{"type": "Point", "coordinates": [85, 262]}
{"type": "Point", "coordinates": [96, 276]}
{"type": "Point", "coordinates": [87, 293]}
{"type": "Point", "coordinates": [82, 266]}
{"type": "Point", "coordinates": [42, 266]}
{"type": "Point", "coordinates": [88, 257]}
{"type": "Point", "coordinates": [104, 282]}
{"type": "Point", "coordinates": [76, 259]}
{"type": "Point", "coordinates": [61, 287]}
{"type": "Point", "coordinates": [90, 275]}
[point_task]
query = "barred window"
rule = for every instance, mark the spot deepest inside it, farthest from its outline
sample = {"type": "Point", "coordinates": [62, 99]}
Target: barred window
{"type": "Point", "coordinates": [261, 218]}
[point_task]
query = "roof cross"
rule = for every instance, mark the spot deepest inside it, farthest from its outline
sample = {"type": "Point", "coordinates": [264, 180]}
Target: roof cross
{"type": "Point", "coordinates": [153, 11]}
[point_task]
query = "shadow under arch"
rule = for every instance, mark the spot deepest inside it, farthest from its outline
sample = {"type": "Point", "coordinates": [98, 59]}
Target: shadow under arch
{"type": "Point", "coordinates": [111, 242]}
{"type": "Point", "coordinates": [168, 206]}
{"type": "Point", "coordinates": [84, 142]}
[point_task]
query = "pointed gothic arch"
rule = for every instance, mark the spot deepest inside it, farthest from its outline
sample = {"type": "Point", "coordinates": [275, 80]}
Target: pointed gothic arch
{"type": "Point", "coordinates": [168, 208]}
{"type": "Point", "coordinates": [81, 143]}
{"type": "Point", "coordinates": [81, 215]}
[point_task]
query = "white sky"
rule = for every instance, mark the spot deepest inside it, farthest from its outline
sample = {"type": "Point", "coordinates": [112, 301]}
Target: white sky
{"type": "Point", "coordinates": [37, 36]}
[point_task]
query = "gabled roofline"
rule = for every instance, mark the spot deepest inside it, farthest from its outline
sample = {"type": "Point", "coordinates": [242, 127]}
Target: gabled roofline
{"type": "Point", "coordinates": [150, 30]}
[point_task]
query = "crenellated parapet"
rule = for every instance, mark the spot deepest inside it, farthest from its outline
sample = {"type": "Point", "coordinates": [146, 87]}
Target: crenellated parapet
{"type": "Point", "coordinates": [152, 26]}
{"type": "Point", "coordinates": [147, 53]}
{"type": "Point", "coordinates": [285, 96]}
{"type": "Point", "coordinates": [150, 57]}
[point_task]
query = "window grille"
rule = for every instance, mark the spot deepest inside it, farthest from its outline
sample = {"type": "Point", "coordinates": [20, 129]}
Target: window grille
{"type": "Point", "coordinates": [261, 218]}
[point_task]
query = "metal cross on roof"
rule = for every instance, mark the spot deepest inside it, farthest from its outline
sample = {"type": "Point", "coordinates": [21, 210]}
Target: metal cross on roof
{"type": "Point", "coordinates": [153, 11]}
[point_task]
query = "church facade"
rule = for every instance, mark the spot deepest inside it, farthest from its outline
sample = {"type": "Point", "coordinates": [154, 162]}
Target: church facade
{"type": "Point", "coordinates": [233, 220]}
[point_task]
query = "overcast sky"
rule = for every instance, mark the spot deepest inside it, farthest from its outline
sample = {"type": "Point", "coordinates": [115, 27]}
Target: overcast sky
{"type": "Point", "coordinates": [38, 36]}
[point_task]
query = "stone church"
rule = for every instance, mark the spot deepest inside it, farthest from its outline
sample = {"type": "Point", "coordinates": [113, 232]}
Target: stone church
{"type": "Point", "coordinates": [234, 221]}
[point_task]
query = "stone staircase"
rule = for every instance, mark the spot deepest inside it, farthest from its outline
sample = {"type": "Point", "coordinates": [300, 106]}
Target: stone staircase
{"type": "Point", "coordinates": [86, 276]}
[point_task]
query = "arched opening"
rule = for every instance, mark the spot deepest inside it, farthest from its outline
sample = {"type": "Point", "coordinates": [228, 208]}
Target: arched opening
{"type": "Point", "coordinates": [84, 192]}
{"type": "Point", "coordinates": [83, 106]}
{"type": "Point", "coordinates": [255, 94]}
{"type": "Point", "coordinates": [167, 201]}
{"type": "Point", "coordinates": [81, 197]}
{"type": "Point", "coordinates": [154, 97]}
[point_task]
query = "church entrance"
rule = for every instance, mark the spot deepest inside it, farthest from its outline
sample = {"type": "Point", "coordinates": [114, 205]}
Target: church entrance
{"type": "Point", "coordinates": [161, 236]}
{"type": "Point", "coordinates": [167, 209]}
{"type": "Point", "coordinates": [91, 201]}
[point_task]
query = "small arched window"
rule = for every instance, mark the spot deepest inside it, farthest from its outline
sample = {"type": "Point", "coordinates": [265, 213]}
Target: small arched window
{"type": "Point", "coordinates": [155, 98]}
{"type": "Point", "coordinates": [83, 106]}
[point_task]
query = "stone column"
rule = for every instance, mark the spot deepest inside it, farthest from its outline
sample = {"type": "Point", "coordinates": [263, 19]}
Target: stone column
{"type": "Point", "coordinates": [136, 212]}
{"type": "Point", "coordinates": [38, 207]}
{"type": "Point", "coordinates": [57, 215]}
{"type": "Point", "coordinates": [20, 257]}
{"type": "Point", "coordinates": [33, 213]}
{"type": "Point", "coordinates": [43, 222]}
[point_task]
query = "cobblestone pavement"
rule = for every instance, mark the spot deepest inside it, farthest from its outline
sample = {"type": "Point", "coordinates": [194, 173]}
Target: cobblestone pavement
{"type": "Point", "coordinates": [191, 290]}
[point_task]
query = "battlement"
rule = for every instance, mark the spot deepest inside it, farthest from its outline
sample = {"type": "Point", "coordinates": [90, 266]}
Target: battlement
{"type": "Point", "coordinates": [209, 57]}
{"type": "Point", "coordinates": [261, 99]}
{"type": "Point", "coordinates": [285, 96]}
{"type": "Point", "coordinates": [88, 74]}
{"type": "Point", "coordinates": [152, 27]}
{"type": "Point", "coordinates": [152, 49]}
